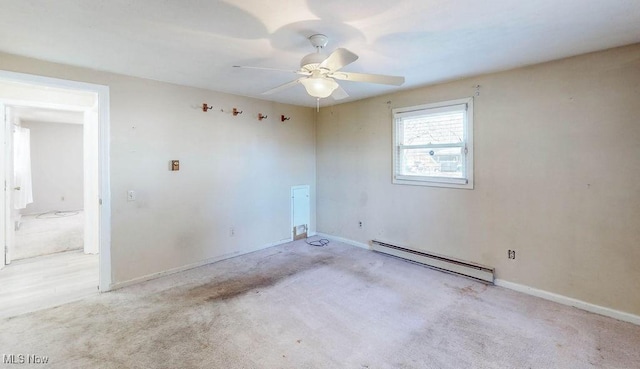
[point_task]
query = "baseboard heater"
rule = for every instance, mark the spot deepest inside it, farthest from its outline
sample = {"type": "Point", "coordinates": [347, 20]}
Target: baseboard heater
{"type": "Point", "coordinates": [471, 270]}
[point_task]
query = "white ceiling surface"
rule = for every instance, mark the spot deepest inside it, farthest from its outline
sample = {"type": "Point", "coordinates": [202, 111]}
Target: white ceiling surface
{"type": "Point", "coordinates": [196, 42]}
{"type": "Point", "coordinates": [36, 114]}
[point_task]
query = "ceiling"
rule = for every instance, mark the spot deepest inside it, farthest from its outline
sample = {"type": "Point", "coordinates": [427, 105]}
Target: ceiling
{"type": "Point", "coordinates": [196, 42]}
{"type": "Point", "coordinates": [45, 115]}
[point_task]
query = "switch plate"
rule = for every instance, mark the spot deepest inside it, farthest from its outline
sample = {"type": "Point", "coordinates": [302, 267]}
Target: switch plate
{"type": "Point", "coordinates": [131, 195]}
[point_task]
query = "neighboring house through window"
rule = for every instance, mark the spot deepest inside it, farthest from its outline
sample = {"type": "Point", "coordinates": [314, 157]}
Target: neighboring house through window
{"type": "Point", "coordinates": [433, 144]}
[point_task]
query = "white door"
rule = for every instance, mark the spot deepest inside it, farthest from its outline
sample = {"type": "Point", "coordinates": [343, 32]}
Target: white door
{"type": "Point", "coordinates": [91, 182]}
{"type": "Point", "coordinates": [300, 213]}
{"type": "Point", "coordinates": [3, 160]}
{"type": "Point", "coordinates": [9, 216]}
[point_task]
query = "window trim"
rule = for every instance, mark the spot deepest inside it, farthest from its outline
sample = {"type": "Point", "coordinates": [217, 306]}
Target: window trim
{"type": "Point", "coordinates": [467, 145]}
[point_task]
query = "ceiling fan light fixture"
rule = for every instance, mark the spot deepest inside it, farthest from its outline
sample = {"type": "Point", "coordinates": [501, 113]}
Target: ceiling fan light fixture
{"type": "Point", "coordinates": [319, 87]}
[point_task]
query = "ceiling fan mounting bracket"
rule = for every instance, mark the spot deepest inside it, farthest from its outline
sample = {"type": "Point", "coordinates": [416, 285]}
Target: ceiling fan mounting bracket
{"type": "Point", "coordinates": [318, 40]}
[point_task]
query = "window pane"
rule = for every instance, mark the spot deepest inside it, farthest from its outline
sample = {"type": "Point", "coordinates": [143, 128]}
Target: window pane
{"type": "Point", "coordinates": [441, 128]}
{"type": "Point", "coordinates": [437, 162]}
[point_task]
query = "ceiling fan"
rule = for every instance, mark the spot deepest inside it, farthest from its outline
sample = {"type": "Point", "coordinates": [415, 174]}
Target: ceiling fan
{"type": "Point", "coordinates": [320, 72]}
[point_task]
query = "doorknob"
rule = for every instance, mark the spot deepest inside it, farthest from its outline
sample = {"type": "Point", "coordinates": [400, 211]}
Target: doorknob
{"type": "Point", "coordinates": [17, 188]}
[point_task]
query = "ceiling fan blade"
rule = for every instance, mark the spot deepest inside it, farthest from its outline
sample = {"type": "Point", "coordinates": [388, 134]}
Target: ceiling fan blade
{"type": "Point", "coordinates": [370, 78]}
{"type": "Point", "coordinates": [274, 69]}
{"type": "Point", "coordinates": [283, 87]}
{"type": "Point", "coordinates": [339, 94]}
{"type": "Point", "coordinates": [338, 59]}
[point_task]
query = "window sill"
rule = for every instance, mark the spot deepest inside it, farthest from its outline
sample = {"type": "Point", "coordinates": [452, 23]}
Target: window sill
{"type": "Point", "coordinates": [434, 182]}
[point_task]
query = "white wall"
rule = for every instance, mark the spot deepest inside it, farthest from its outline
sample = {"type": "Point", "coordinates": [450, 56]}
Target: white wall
{"type": "Point", "coordinates": [234, 171]}
{"type": "Point", "coordinates": [56, 167]}
{"type": "Point", "coordinates": [557, 158]}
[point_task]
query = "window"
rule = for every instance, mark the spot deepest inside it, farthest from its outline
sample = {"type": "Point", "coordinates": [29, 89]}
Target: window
{"type": "Point", "coordinates": [433, 144]}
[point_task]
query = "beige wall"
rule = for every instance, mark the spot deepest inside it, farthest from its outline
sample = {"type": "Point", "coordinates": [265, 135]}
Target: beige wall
{"type": "Point", "coordinates": [56, 167]}
{"type": "Point", "coordinates": [556, 174]}
{"type": "Point", "coordinates": [557, 177]}
{"type": "Point", "coordinates": [234, 171]}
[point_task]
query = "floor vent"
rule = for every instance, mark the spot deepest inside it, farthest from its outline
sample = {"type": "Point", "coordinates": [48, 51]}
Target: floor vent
{"type": "Point", "coordinates": [471, 270]}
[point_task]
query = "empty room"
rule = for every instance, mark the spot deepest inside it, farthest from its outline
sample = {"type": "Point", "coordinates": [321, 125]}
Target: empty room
{"type": "Point", "coordinates": [320, 184]}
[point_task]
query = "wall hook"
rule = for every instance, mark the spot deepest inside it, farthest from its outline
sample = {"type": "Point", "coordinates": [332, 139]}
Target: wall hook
{"type": "Point", "coordinates": [236, 112]}
{"type": "Point", "coordinates": [206, 107]}
{"type": "Point", "coordinates": [261, 117]}
{"type": "Point", "coordinates": [283, 118]}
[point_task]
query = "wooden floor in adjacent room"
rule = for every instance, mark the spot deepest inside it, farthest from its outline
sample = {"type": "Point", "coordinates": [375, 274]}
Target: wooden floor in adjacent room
{"type": "Point", "coordinates": [46, 281]}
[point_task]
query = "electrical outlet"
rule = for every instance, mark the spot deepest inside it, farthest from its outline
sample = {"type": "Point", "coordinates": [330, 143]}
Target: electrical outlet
{"type": "Point", "coordinates": [511, 254]}
{"type": "Point", "coordinates": [232, 232]}
{"type": "Point", "coordinates": [360, 224]}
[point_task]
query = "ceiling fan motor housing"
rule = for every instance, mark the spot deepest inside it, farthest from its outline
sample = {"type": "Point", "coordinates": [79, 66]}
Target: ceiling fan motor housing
{"type": "Point", "coordinates": [310, 62]}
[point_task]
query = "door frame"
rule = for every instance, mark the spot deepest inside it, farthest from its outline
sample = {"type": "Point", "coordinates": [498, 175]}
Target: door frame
{"type": "Point", "coordinates": [3, 168]}
{"type": "Point", "coordinates": [104, 191]}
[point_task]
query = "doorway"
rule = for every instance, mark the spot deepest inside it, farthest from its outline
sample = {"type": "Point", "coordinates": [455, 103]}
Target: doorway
{"type": "Point", "coordinates": [55, 167]}
{"type": "Point", "coordinates": [48, 188]}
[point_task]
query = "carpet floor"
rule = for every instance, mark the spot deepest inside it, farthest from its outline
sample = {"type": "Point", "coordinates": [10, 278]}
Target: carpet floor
{"type": "Point", "coordinates": [47, 233]}
{"type": "Point", "coordinates": [299, 306]}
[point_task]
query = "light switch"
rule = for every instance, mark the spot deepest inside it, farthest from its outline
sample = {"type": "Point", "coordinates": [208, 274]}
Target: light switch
{"type": "Point", "coordinates": [131, 195]}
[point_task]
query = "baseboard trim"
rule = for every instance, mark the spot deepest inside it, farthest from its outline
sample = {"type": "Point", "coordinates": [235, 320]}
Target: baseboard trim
{"type": "Point", "coordinates": [344, 240]}
{"type": "Point", "coordinates": [597, 309]}
{"type": "Point", "coordinates": [156, 275]}
{"type": "Point", "coordinates": [564, 300]}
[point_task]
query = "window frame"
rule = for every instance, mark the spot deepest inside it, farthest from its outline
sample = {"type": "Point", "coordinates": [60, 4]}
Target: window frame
{"type": "Point", "coordinates": [466, 145]}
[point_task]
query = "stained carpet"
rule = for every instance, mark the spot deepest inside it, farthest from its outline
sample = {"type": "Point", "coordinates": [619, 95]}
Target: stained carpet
{"type": "Point", "coordinates": [299, 306]}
